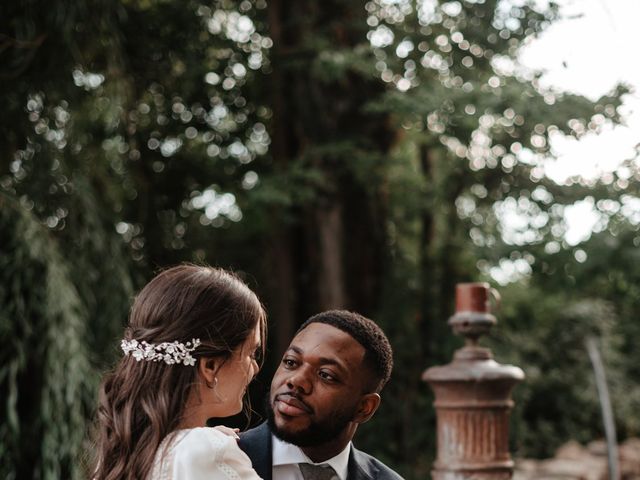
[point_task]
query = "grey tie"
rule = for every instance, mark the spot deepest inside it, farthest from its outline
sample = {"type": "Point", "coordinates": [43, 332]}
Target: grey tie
{"type": "Point", "coordinates": [317, 472]}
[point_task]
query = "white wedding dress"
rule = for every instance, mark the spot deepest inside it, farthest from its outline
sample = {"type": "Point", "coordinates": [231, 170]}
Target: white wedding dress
{"type": "Point", "coordinates": [201, 454]}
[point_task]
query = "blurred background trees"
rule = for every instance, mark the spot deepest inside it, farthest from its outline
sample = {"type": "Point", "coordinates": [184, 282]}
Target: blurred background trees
{"type": "Point", "coordinates": [362, 155]}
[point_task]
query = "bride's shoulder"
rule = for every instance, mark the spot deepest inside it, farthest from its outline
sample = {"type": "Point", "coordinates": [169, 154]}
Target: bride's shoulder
{"type": "Point", "coordinates": [206, 433]}
{"type": "Point", "coordinates": [201, 452]}
{"type": "Point", "coordinates": [209, 440]}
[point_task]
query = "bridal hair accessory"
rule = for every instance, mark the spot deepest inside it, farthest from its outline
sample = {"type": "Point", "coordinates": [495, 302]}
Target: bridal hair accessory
{"type": "Point", "coordinates": [168, 352]}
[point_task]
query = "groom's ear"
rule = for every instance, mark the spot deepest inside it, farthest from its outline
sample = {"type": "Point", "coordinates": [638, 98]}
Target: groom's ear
{"type": "Point", "coordinates": [368, 405]}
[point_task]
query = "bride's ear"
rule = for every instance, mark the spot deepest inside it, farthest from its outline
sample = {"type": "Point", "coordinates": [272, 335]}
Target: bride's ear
{"type": "Point", "coordinates": [208, 368]}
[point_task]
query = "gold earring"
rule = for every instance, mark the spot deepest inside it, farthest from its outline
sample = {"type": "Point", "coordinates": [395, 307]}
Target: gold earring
{"type": "Point", "coordinates": [213, 384]}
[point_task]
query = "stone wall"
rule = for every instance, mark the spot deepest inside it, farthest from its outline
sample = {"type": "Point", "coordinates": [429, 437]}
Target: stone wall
{"type": "Point", "coordinates": [576, 462]}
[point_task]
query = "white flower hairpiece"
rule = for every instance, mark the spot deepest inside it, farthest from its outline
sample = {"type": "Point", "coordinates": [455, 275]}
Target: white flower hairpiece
{"type": "Point", "coordinates": [168, 352]}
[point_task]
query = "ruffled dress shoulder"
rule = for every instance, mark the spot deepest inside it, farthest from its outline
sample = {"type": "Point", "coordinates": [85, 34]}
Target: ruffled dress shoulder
{"type": "Point", "coordinates": [199, 454]}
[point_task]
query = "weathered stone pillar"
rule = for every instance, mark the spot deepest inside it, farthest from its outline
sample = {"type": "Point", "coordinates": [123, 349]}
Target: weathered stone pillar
{"type": "Point", "coordinates": [473, 397]}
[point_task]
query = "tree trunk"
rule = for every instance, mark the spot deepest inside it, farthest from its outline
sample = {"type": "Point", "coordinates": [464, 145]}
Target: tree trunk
{"type": "Point", "coordinates": [429, 318]}
{"type": "Point", "coordinates": [320, 124]}
{"type": "Point", "coordinates": [280, 263]}
{"type": "Point", "coordinates": [330, 283]}
{"type": "Point", "coordinates": [282, 293]}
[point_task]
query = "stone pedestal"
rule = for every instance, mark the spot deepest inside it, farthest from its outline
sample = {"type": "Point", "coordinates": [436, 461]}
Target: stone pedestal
{"type": "Point", "coordinates": [473, 400]}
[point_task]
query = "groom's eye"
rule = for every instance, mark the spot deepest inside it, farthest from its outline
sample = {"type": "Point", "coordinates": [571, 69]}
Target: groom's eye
{"type": "Point", "coordinates": [327, 376]}
{"type": "Point", "coordinates": [288, 362]}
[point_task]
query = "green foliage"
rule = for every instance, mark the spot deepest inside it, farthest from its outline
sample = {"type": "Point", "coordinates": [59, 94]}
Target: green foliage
{"type": "Point", "coordinates": [558, 401]}
{"type": "Point", "coordinates": [46, 380]}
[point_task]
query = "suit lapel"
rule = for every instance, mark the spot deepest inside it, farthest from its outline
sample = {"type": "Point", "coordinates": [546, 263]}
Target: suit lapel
{"type": "Point", "coordinates": [257, 445]}
{"type": "Point", "coordinates": [360, 468]}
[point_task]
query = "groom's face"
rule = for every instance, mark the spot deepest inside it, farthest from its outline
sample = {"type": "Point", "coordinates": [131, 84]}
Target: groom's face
{"type": "Point", "coordinates": [317, 389]}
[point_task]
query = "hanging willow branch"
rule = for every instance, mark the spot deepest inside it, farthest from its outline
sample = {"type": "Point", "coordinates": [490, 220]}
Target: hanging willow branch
{"type": "Point", "coordinates": [46, 381]}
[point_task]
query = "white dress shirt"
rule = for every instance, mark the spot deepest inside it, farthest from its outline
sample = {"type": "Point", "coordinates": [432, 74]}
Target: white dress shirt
{"type": "Point", "coordinates": [286, 458]}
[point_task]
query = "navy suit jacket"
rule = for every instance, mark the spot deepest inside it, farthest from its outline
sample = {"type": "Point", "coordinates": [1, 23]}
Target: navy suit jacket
{"type": "Point", "coordinates": [257, 445]}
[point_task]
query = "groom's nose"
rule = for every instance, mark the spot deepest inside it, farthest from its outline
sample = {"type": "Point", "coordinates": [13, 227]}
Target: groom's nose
{"type": "Point", "coordinates": [299, 380]}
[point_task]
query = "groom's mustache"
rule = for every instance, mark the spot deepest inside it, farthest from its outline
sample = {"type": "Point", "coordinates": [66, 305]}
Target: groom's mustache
{"type": "Point", "coordinates": [293, 399]}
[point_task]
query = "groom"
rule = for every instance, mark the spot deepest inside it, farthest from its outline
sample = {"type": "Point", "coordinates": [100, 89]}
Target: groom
{"type": "Point", "coordinates": [328, 382]}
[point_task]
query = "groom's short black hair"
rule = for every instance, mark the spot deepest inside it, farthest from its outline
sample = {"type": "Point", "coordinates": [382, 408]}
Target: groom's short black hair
{"type": "Point", "coordinates": [378, 353]}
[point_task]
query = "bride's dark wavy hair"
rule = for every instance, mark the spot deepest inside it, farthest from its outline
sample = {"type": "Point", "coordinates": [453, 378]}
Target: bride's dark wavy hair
{"type": "Point", "coordinates": [141, 402]}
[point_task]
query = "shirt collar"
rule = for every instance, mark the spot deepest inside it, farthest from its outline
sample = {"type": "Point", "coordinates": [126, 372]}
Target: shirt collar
{"type": "Point", "coordinates": [286, 453]}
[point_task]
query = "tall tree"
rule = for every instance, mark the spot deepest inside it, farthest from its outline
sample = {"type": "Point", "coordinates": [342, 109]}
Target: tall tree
{"type": "Point", "coordinates": [329, 246]}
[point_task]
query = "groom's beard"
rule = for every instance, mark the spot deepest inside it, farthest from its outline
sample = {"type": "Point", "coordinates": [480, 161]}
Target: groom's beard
{"type": "Point", "coordinates": [316, 433]}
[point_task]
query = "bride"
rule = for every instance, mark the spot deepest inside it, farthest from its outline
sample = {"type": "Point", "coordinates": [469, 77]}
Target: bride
{"type": "Point", "coordinates": [190, 349]}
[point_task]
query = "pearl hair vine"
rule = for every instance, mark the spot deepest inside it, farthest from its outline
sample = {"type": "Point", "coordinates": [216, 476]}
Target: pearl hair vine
{"type": "Point", "coordinates": [170, 353]}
